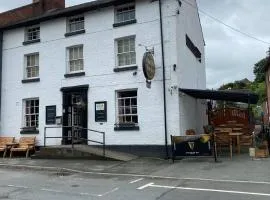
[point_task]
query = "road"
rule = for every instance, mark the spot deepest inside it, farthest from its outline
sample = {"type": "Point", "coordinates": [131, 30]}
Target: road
{"type": "Point", "coordinates": [34, 185]}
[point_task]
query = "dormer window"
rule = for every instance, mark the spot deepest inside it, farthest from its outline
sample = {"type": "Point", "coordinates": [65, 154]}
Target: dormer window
{"type": "Point", "coordinates": [124, 15]}
{"type": "Point", "coordinates": [75, 25]}
{"type": "Point", "coordinates": [32, 34]}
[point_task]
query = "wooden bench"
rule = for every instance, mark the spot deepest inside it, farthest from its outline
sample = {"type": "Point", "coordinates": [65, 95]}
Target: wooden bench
{"type": "Point", "coordinates": [26, 144]}
{"type": "Point", "coordinates": [4, 141]}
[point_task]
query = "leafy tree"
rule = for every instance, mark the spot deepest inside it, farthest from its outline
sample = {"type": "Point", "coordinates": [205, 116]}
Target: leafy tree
{"type": "Point", "coordinates": [259, 70]}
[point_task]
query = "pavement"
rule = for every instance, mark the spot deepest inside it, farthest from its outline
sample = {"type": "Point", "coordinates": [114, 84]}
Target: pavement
{"type": "Point", "coordinates": [241, 167]}
{"type": "Point", "coordinates": [142, 178]}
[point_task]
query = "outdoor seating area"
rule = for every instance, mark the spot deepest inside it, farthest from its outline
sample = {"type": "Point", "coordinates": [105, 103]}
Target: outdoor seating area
{"type": "Point", "coordinates": [233, 136]}
{"type": "Point", "coordinates": [11, 145]}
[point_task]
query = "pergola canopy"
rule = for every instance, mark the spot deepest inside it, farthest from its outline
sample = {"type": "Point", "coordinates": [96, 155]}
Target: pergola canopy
{"type": "Point", "coordinates": [223, 95]}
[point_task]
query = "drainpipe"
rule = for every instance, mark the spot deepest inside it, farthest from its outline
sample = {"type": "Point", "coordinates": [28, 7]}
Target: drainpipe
{"type": "Point", "coordinates": [1, 60]}
{"type": "Point", "coordinates": [164, 78]}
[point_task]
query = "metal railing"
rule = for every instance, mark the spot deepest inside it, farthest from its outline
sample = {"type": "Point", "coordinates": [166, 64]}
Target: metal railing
{"type": "Point", "coordinates": [72, 136]}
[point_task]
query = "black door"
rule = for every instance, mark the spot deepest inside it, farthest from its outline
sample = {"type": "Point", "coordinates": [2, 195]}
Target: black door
{"type": "Point", "coordinates": [75, 116]}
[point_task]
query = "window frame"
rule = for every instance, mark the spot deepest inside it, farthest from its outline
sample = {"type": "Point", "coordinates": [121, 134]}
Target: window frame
{"type": "Point", "coordinates": [117, 52]}
{"type": "Point", "coordinates": [26, 34]}
{"type": "Point", "coordinates": [68, 23]}
{"type": "Point", "coordinates": [117, 117]}
{"type": "Point", "coordinates": [26, 66]}
{"type": "Point", "coordinates": [68, 59]}
{"type": "Point", "coordinates": [37, 119]}
{"type": "Point", "coordinates": [116, 10]}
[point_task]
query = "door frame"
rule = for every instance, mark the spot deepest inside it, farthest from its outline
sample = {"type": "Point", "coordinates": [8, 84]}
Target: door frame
{"type": "Point", "coordinates": [83, 89]}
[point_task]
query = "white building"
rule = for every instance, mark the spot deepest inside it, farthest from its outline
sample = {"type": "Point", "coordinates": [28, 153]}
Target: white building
{"type": "Point", "coordinates": [92, 53]}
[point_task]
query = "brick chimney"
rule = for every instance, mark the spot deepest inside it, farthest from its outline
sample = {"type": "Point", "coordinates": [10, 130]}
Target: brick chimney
{"type": "Point", "coordinates": [38, 7]}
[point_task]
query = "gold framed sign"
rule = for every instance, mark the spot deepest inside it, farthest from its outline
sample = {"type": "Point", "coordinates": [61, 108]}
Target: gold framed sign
{"type": "Point", "coordinates": [149, 67]}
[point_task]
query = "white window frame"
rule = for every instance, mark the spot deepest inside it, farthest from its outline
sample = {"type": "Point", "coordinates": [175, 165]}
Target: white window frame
{"type": "Point", "coordinates": [118, 12]}
{"type": "Point", "coordinates": [118, 114]}
{"type": "Point", "coordinates": [31, 66]}
{"type": "Point", "coordinates": [25, 114]}
{"type": "Point", "coordinates": [69, 23]}
{"type": "Point", "coordinates": [69, 71]}
{"type": "Point", "coordinates": [117, 54]}
{"type": "Point", "coordinates": [27, 33]}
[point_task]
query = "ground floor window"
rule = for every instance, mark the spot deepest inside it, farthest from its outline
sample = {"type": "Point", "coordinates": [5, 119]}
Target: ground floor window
{"type": "Point", "coordinates": [127, 107]}
{"type": "Point", "coordinates": [31, 113]}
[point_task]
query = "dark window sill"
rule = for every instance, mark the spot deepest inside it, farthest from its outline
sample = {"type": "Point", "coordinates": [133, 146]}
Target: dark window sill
{"type": "Point", "coordinates": [122, 69]}
{"type": "Point", "coordinates": [30, 130]}
{"type": "Point", "coordinates": [126, 127]}
{"type": "Point", "coordinates": [31, 80]}
{"type": "Point", "coordinates": [74, 74]}
{"type": "Point", "coordinates": [31, 42]}
{"type": "Point", "coordinates": [125, 23]}
{"type": "Point", "coordinates": [74, 33]}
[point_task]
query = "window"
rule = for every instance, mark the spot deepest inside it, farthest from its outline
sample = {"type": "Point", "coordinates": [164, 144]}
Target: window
{"type": "Point", "coordinates": [127, 107]}
{"type": "Point", "coordinates": [126, 54]}
{"type": "Point", "coordinates": [75, 24]}
{"type": "Point", "coordinates": [32, 33]}
{"type": "Point", "coordinates": [125, 13]}
{"type": "Point", "coordinates": [32, 66]}
{"type": "Point", "coordinates": [75, 58]}
{"type": "Point", "coordinates": [31, 113]}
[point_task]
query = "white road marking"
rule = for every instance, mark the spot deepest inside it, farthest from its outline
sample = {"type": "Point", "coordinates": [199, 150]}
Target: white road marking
{"type": "Point", "coordinates": [205, 190]}
{"type": "Point", "coordinates": [135, 181]}
{"type": "Point", "coordinates": [17, 186]}
{"type": "Point", "coordinates": [111, 191]}
{"type": "Point", "coordinates": [139, 175]}
{"type": "Point", "coordinates": [145, 186]}
{"type": "Point", "coordinates": [51, 190]}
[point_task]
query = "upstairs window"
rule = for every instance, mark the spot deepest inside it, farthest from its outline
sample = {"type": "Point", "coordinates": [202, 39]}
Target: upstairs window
{"type": "Point", "coordinates": [32, 66]}
{"type": "Point", "coordinates": [32, 33]}
{"type": "Point", "coordinates": [125, 13]}
{"type": "Point", "coordinates": [75, 24]}
{"type": "Point", "coordinates": [75, 59]}
{"type": "Point", "coordinates": [126, 54]}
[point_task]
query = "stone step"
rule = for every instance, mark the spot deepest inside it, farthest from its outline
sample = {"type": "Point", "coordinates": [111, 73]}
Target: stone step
{"type": "Point", "coordinates": [81, 152]}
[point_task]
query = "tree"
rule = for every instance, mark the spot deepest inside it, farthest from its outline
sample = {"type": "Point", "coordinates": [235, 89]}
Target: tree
{"type": "Point", "coordinates": [259, 70]}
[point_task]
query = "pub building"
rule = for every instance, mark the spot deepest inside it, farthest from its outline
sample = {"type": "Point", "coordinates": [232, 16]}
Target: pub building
{"type": "Point", "coordinates": [109, 66]}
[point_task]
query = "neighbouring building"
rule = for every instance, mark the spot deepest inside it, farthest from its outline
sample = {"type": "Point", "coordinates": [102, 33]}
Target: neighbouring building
{"type": "Point", "coordinates": [266, 104]}
{"type": "Point", "coordinates": [81, 66]}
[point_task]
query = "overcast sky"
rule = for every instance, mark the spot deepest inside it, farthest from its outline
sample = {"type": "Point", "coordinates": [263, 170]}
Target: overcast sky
{"type": "Point", "coordinates": [230, 56]}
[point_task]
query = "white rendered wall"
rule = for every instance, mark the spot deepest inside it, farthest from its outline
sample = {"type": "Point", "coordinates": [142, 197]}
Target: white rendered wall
{"type": "Point", "coordinates": [99, 59]}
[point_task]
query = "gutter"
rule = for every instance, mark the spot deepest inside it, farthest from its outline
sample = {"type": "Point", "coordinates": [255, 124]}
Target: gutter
{"type": "Point", "coordinates": [164, 79]}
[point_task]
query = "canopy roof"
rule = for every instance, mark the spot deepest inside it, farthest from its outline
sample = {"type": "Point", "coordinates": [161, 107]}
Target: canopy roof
{"type": "Point", "coordinates": [224, 95]}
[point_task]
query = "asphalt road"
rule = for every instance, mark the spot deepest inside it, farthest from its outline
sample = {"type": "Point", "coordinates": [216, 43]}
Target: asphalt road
{"type": "Point", "coordinates": [34, 185]}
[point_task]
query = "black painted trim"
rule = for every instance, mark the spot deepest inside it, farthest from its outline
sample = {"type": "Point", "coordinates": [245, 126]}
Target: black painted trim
{"type": "Point", "coordinates": [69, 11]}
{"type": "Point", "coordinates": [74, 33]}
{"type": "Point", "coordinates": [74, 88]}
{"type": "Point", "coordinates": [133, 21]}
{"type": "Point", "coordinates": [31, 42]}
{"type": "Point", "coordinates": [24, 132]}
{"type": "Point", "coordinates": [126, 128]}
{"type": "Point", "coordinates": [31, 80]}
{"type": "Point", "coordinates": [29, 130]}
{"type": "Point", "coordinates": [122, 69]}
{"type": "Point", "coordinates": [74, 74]}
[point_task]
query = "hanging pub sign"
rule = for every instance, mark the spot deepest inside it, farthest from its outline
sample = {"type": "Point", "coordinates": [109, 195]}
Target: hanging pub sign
{"type": "Point", "coordinates": [149, 67]}
{"type": "Point", "coordinates": [101, 111]}
{"type": "Point", "coordinates": [50, 114]}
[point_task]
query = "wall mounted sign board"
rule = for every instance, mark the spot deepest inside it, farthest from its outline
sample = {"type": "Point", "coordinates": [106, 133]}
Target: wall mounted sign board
{"type": "Point", "coordinates": [50, 114]}
{"type": "Point", "coordinates": [101, 111]}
